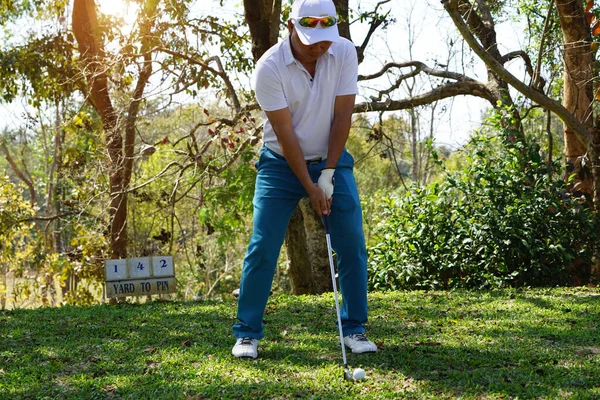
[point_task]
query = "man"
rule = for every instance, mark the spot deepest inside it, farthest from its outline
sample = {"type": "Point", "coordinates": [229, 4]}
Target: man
{"type": "Point", "coordinates": [306, 85]}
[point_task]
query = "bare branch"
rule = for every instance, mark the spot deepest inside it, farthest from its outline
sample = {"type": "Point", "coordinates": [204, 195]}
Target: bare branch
{"type": "Point", "coordinates": [419, 67]}
{"type": "Point", "coordinates": [471, 88]}
{"type": "Point", "coordinates": [375, 23]}
{"type": "Point", "coordinates": [155, 177]}
{"type": "Point", "coordinates": [220, 72]}
{"type": "Point", "coordinates": [537, 81]}
{"type": "Point", "coordinates": [516, 54]}
{"type": "Point", "coordinates": [51, 217]}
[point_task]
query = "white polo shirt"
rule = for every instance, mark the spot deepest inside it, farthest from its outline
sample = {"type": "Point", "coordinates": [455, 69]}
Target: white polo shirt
{"type": "Point", "coordinates": [281, 81]}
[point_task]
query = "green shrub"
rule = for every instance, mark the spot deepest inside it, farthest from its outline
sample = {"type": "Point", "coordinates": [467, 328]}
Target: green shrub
{"type": "Point", "coordinates": [500, 221]}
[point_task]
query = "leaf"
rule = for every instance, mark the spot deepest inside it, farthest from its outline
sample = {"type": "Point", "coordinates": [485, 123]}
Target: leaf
{"type": "Point", "coordinates": [588, 5]}
{"type": "Point", "coordinates": [589, 17]}
{"type": "Point", "coordinates": [596, 28]}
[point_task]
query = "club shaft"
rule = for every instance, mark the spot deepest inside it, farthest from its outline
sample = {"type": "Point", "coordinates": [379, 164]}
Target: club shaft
{"type": "Point", "coordinates": [335, 295]}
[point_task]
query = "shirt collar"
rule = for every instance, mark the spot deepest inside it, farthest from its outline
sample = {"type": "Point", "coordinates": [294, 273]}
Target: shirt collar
{"type": "Point", "coordinates": [289, 56]}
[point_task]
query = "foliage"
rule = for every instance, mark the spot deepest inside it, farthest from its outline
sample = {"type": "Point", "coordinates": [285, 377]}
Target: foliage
{"type": "Point", "coordinates": [380, 152]}
{"type": "Point", "coordinates": [500, 221]}
{"type": "Point", "coordinates": [14, 210]}
{"type": "Point", "coordinates": [198, 213]}
{"type": "Point", "coordinates": [433, 345]}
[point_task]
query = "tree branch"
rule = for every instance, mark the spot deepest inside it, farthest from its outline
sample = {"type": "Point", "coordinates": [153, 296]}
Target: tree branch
{"type": "Point", "coordinates": [147, 22]}
{"type": "Point", "coordinates": [375, 23]}
{"type": "Point", "coordinates": [205, 65]}
{"type": "Point", "coordinates": [419, 67]}
{"type": "Point", "coordinates": [569, 119]}
{"type": "Point", "coordinates": [537, 81]}
{"type": "Point", "coordinates": [471, 88]}
{"type": "Point", "coordinates": [516, 54]}
{"type": "Point", "coordinates": [19, 173]}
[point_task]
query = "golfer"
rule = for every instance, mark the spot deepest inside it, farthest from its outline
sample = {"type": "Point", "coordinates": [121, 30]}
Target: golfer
{"type": "Point", "coordinates": [306, 85]}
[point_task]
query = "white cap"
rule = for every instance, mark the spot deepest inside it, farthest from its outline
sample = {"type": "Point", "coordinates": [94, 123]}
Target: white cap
{"type": "Point", "coordinates": [315, 8]}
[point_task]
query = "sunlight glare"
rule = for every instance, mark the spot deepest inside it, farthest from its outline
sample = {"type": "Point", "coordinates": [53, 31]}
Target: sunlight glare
{"type": "Point", "coordinates": [119, 8]}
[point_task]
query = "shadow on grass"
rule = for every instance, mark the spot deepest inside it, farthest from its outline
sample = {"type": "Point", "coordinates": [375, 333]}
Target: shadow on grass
{"type": "Point", "coordinates": [431, 346]}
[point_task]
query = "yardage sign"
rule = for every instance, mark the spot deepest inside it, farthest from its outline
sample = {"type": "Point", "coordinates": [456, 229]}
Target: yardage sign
{"type": "Point", "coordinates": [139, 276]}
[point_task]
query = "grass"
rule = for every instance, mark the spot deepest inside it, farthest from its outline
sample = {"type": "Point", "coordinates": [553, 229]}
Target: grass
{"type": "Point", "coordinates": [471, 345]}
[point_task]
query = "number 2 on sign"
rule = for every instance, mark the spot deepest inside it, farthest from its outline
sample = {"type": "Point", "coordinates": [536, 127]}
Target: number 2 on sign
{"type": "Point", "coordinates": [163, 263]}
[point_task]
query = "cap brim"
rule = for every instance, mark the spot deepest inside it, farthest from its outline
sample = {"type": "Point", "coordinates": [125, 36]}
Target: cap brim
{"type": "Point", "coordinates": [310, 36]}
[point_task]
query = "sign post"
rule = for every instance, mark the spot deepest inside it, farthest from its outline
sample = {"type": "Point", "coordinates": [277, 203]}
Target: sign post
{"type": "Point", "coordinates": [140, 276]}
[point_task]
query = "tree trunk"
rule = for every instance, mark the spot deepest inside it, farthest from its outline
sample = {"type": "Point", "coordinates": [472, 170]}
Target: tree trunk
{"type": "Point", "coordinates": [578, 96]}
{"type": "Point", "coordinates": [344, 24]}
{"type": "Point", "coordinates": [262, 17]}
{"type": "Point", "coordinates": [85, 29]}
{"type": "Point", "coordinates": [307, 251]}
{"type": "Point", "coordinates": [577, 91]}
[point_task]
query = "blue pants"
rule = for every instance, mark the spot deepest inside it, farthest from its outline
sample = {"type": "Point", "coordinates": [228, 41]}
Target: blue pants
{"type": "Point", "coordinates": [277, 193]}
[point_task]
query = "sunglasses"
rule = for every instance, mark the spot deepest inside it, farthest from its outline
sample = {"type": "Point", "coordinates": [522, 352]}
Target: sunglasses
{"type": "Point", "coordinates": [312, 22]}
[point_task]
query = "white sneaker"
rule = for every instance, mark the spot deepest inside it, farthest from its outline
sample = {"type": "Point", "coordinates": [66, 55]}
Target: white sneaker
{"type": "Point", "coordinates": [245, 348]}
{"type": "Point", "coordinates": [358, 343]}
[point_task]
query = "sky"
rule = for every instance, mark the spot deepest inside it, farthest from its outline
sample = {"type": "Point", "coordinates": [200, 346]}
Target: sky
{"type": "Point", "coordinates": [422, 20]}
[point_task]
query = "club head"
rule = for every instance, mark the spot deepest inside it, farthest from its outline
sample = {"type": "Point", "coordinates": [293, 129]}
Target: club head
{"type": "Point", "coordinates": [348, 375]}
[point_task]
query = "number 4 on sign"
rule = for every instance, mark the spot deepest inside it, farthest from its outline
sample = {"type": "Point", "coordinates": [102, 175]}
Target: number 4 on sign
{"type": "Point", "coordinates": [139, 267]}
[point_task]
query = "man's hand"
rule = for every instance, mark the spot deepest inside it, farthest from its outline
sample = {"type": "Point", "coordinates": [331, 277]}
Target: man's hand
{"type": "Point", "coordinates": [318, 201]}
{"type": "Point", "coordinates": [325, 181]}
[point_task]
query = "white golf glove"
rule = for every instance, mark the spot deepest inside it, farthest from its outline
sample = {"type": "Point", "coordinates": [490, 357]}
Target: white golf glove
{"type": "Point", "coordinates": [325, 181]}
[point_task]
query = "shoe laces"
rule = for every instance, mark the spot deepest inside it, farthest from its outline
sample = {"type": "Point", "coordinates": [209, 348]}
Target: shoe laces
{"type": "Point", "coordinates": [246, 341]}
{"type": "Point", "coordinates": [359, 337]}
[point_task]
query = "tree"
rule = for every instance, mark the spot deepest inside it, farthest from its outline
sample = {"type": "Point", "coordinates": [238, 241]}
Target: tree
{"type": "Point", "coordinates": [114, 84]}
{"type": "Point", "coordinates": [120, 154]}
{"type": "Point", "coordinates": [188, 68]}
{"type": "Point", "coordinates": [582, 138]}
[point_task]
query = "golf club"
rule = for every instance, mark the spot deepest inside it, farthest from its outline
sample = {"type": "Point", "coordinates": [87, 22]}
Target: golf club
{"type": "Point", "coordinates": [347, 374]}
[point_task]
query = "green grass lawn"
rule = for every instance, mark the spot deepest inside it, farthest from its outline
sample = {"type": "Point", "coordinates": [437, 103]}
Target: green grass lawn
{"type": "Point", "coordinates": [472, 345]}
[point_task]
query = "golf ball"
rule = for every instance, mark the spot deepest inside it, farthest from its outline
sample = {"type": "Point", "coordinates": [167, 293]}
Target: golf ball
{"type": "Point", "coordinates": [358, 374]}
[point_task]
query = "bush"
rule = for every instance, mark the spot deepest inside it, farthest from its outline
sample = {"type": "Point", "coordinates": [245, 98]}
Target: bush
{"type": "Point", "coordinates": [500, 221]}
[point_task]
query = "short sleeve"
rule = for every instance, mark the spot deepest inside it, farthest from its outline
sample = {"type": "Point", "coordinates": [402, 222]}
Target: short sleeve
{"type": "Point", "coordinates": [268, 88]}
{"type": "Point", "coordinates": [349, 71]}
